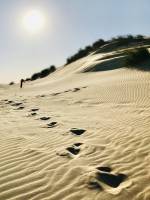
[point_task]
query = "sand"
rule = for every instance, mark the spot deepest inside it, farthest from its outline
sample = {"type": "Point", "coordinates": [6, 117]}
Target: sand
{"type": "Point", "coordinates": [77, 136]}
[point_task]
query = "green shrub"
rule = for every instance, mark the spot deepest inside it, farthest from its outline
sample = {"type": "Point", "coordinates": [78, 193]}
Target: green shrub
{"type": "Point", "coordinates": [35, 76]}
{"type": "Point", "coordinates": [124, 40]}
{"type": "Point", "coordinates": [80, 54]}
{"type": "Point", "coordinates": [52, 68]}
{"type": "Point", "coordinates": [137, 56]}
{"type": "Point", "coordinates": [43, 73]}
{"type": "Point", "coordinates": [96, 45]}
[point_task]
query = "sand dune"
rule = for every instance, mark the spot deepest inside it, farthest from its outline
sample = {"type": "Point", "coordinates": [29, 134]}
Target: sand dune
{"type": "Point", "coordinates": [77, 136]}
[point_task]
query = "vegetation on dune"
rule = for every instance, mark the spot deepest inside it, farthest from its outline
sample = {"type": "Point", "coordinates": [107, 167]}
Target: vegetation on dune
{"type": "Point", "coordinates": [35, 76]}
{"type": "Point", "coordinates": [128, 39]}
{"type": "Point", "coordinates": [119, 40]}
{"type": "Point", "coordinates": [84, 52]}
{"type": "Point", "coordinates": [11, 83]}
{"type": "Point", "coordinates": [136, 57]}
{"type": "Point", "coordinates": [43, 73]}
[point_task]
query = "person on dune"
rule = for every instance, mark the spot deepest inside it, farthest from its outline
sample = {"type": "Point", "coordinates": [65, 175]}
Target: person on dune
{"type": "Point", "coordinates": [21, 83]}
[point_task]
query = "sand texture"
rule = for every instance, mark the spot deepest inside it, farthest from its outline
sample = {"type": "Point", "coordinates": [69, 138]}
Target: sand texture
{"type": "Point", "coordinates": [83, 133]}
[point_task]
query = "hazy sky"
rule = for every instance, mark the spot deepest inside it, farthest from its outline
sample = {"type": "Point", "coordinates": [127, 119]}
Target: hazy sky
{"type": "Point", "coordinates": [69, 25]}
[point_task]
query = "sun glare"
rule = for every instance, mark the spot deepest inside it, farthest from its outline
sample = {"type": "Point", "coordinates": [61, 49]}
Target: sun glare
{"type": "Point", "coordinates": [34, 21]}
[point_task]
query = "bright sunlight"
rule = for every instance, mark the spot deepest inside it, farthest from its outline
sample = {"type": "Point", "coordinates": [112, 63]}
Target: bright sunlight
{"type": "Point", "coordinates": [34, 21]}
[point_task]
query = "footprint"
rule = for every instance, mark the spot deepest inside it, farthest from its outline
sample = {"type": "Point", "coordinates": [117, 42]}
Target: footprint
{"type": "Point", "coordinates": [55, 94]}
{"type": "Point", "coordinates": [9, 102]}
{"type": "Point", "coordinates": [78, 144]}
{"type": "Point", "coordinates": [77, 131]}
{"type": "Point", "coordinates": [76, 89]}
{"type": "Point", "coordinates": [73, 150]}
{"type": "Point", "coordinates": [34, 109]}
{"type": "Point", "coordinates": [104, 179]}
{"type": "Point", "coordinates": [44, 118]}
{"type": "Point", "coordinates": [69, 152]}
{"type": "Point", "coordinates": [33, 114]}
{"type": "Point", "coordinates": [109, 179]}
{"type": "Point", "coordinates": [105, 169]}
{"type": "Point", "coordinates": [52, 125]}
{"type": "Point", "coordinates": [16, 104]}
{"type": "Point", "coordinates": [20, 108]}
{"type": "Point", "coordinates": [67, 91]}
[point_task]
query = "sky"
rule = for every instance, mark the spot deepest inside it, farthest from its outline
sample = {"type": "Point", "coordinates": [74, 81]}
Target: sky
{"type": "Point", "coordinates": [68, 25]}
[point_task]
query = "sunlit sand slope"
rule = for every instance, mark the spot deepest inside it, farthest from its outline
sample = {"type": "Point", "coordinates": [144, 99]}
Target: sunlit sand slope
{"type": "Point", "coordinates": [78, 134]}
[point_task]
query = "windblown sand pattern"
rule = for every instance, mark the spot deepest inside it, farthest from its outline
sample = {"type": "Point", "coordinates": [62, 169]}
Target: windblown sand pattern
{"type": "Point", "coordinates": [42, 159]}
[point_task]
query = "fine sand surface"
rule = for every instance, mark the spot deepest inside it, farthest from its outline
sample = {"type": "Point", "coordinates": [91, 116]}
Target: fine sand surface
{"type": "Point", "coordinates": [77, 136]}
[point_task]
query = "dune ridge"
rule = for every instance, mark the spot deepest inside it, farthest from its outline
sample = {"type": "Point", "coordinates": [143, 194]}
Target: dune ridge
{"type": "Point", "coordinates": [106, 157]}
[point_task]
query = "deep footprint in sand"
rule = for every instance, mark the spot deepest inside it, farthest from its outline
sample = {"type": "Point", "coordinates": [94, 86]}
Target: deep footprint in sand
{"type": "Point", "coordinates": [78, 144]}
{"type": "Point", "coordinates": [73, 150]}
{"type": "Point", "coordinates": [20, 108]}
{"type": "Point", "coordinates": [76, 89]}
{"type": "Point", "coordinates": [104, 169]}
{"type": "Point", "coordinates": [103, 179]}
{"type": "Point", "coordinates": [34, 109]}
{"type": "Point", "coordinates": [110, 179]}
{"type": "Point", "coordinates": [32, 114]}
{"type": "Point", "coordinates": [70, 152]}
{"type": "Point", "coordinates": [52, 125]}
{"type": "Point", "coordinates": [77, 131]}
{"type": "Point", "coordinates": [44, 118]}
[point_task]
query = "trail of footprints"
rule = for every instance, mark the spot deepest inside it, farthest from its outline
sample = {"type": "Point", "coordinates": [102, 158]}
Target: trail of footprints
{"type": "Point", "coordinates": [102, 175]}
{"type": "Point", "coordinates": [32, 112]}
{"type": "Point", "coordinates": [70, 90]}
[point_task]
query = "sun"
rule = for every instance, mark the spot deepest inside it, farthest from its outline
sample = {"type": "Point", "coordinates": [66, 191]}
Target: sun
{"type": "Point", "coordinates": [34, 21]}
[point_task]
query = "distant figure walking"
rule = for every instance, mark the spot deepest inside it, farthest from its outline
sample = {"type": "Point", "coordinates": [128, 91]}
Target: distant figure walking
{"type": "Point", "coordinates": [21, 83]}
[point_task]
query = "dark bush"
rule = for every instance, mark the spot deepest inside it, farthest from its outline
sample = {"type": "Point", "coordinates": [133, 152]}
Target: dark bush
{"type": "Point", "coordinates": [96, 45]}
{"type": "Point", "coordinates": [137, 56]}
{"type": "Point", "coordinates": [84, 52]}
{"type": "Point", "coordinates": [35, 76]}
{"type": "Point", "coordinates": [44, 73]}
{"type": "Point", "coordinates": [47, 71]}
{"type": "Point", "coordinates": [11, 83]}
{"type": "Point", "coordinates": [80, 54]}
{"type": "Point", "coordinates": [127, 39]}
{"type": "Point", "coordinates": [52, 68]}
{"type": "Point", "coordinates": [139, 38]}
{"type": "Point", "coordinates": [88, 49]}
